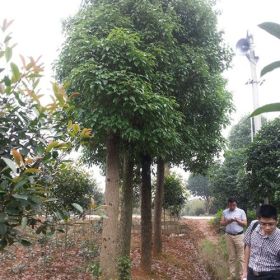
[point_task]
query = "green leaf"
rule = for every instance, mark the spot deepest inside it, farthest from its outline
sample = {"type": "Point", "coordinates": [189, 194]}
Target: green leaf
{"type": "Point", "coordinates": [51, 145]}
{"type": "Point", "coordinates": [270, 67]}
{"type": "Point", "coordinates": [273, 107]}
{"type": "Point", "coordinates": [16, 72]}
{"type": "Point", "coordinates": [8, 54]}
{"type": "Point", "coordinates": [20, 196]}
{"type": "Point", "coordinates": [10, 164]}
{"type": "Point", "coordinates": [25, 242]}
{"type": "Point", "coordinates": [272, 28]}
{"type": "Point", "coordinates": [78, 207]}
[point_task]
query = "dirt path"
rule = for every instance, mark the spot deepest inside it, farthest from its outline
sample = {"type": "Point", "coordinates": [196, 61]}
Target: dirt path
{"type": "Point", "coordinates": [180, 259]}
{"type": "Point", "coordinates": [202, 228]}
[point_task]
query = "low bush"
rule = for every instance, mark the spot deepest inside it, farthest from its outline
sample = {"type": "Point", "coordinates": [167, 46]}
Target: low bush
{"type": "Point", "coordinates": [251, 215]}
{"type": "Point", "coordinates": [215, 222]}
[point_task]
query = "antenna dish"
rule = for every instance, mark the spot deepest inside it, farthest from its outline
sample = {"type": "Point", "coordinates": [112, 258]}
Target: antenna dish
{"type": "Point", "coordinates": [243, 46]}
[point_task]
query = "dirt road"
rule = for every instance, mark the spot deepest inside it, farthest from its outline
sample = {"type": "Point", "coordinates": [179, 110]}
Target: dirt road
{"type": "Point", "coordinates": [180, 259]}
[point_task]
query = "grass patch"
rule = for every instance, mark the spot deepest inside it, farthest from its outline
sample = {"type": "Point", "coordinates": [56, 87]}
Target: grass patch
{"type": "Point", "coordinates": [215, 257]}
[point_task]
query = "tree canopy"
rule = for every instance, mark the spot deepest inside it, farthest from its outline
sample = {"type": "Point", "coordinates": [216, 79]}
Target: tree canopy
{"type": "Point", "coordinates": [175, 195]}
{"type": "Point", "coordinates": [263, 164]}
{"type": "Point", "coordinates": [228, 178]}
{"type": "Point", "coordinates": [150, 72]}
{"type": "Point", "coordinates": [71, 184]}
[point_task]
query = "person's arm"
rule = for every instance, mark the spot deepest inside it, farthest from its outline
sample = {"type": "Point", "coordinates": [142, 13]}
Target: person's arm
{"type": "Point", "coordinates": [247, 251]}
{"type": "Point", "coordinates": [242, 223]}
{"type": "Point", "coordinates": [243, 219]}
{"type": "Point", "coordinates": [225, 221]}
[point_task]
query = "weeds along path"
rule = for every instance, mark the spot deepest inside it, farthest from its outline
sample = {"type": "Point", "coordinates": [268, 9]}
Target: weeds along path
{"type": "Point", "coordinates": [212, 247]}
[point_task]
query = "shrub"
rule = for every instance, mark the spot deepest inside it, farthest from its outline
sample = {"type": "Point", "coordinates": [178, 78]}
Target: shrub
{"type": "Point", "coordinates": [124, 268]}
{"type": "Point", "coordinates": [251, 215]}
{"type": "Point", "coordinates": [215, 222]}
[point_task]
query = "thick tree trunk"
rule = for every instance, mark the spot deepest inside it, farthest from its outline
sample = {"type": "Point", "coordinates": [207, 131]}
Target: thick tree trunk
{"type": "Point", "coordinates": [126, 207]}
{"type": "Point", "coordinates": [109, 247]}
{"type": "Point", "coordinates": [157, 249]}
{"type": "Point", "coordinates": [146, 215]}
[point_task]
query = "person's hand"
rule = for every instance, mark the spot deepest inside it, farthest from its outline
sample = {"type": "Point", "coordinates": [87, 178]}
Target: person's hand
{"type": "Point", "coordinates": [244, 276]}
{"type": "Point", "coordinates": [229, 221]}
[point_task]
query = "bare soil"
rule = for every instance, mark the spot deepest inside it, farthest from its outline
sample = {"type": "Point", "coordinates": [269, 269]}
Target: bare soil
{"type": "Point", "coordinates": [180, 259]}
{"type": "Point", "coordinates": [61, 260]}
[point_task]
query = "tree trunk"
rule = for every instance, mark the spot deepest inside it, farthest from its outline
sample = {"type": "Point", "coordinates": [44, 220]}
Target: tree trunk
{"type": "Point", "coordinates": [108, 255]}
{"type": "Point", "coordinates": [146, 215]}
{"type": "Point", "coordinates": [207, 204]}
{"type": "Point", "coordinates": [126, 207]}
{"type": "Point", "coordinates": [157, 249]}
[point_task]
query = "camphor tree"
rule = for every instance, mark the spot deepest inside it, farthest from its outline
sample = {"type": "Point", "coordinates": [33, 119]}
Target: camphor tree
{"type": "Point", "coordinates": [190, 69]}
{"type": "Point", "coordinates": [71, 184]}
{"type": "Point", "coordinates": [102, 58]}
{"type": "Point", "coordinates": [199, 185]}
{"type": "Point", "coordinates": [175, 195]}
{"type": "Point", "coordinates": [263, 164]}
{"type": "Point", "coordinates": [27, 148]}
{"type": "Point", "coordinates": [228, 178]}
{"type": "Point", "coordinates": [149, 74]}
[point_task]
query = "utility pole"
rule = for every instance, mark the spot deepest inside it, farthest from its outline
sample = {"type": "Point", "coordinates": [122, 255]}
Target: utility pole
{"type": "Point", "coordinates": [245, 46]}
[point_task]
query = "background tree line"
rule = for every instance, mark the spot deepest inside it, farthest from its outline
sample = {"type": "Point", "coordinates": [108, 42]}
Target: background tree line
{"type": "Point", "coordinates": [249, 171]}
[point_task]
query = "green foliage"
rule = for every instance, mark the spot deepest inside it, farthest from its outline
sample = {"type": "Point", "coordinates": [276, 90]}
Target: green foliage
{"type": "Point", "coordinates": [215, 258]}
{"type": "Point", "coordinates": [272, 107]}
{"type": "Point", "coordinates": [95, 270]}
{"type": "Point", "coordinates": [27, 148]}
{"type": "Point", "coordinates": [151, 73]}
{"type": "Point", "coordinates": [251, 215]}
{"type": "Point", "coordinates": [215, 222]}
{"type": "Point", "coordinates": [194, 207]}
{"type": "Point", "coordinates": [174, 195]}
{"type": "Point", "coordinates": [263, 168]}
{"type": "Point", "coordinates": [199, 185]}
{"type": "Point", "coordinates": [114, 72]}
{"type": "Point", "coordinates": [72, 185]}
{"type": "Point", "coordinates": [124, 268]}
{"type": "Point", "coordinates": [228, 179]}
{"type": "Point", "coordinates": [240, 134]}
{"type": "Point", "coordinates": [274, 29]}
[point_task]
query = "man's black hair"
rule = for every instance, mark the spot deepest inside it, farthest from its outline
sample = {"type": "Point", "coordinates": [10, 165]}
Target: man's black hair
{"type": "Point", "coordinates": [231, 200]}
{"type": "Point", "coordinates": [267, 211]}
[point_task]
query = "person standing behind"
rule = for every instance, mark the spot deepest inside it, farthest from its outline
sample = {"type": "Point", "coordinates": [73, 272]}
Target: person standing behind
{"type": "Point", "coordinates": [234, 219]}
{"type": "Point", "coordinates": [262, 246]}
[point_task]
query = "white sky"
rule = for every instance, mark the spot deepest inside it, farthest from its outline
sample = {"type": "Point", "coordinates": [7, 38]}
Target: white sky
{"type": "Point", "coordinates": [37, 30]}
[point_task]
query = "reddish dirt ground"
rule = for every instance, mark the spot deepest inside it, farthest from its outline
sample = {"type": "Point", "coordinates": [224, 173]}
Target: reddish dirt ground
{"type": "Point", "coordinates": [180, 259]}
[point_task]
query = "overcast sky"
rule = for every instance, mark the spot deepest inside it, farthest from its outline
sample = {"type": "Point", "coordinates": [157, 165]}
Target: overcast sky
{"type": "Point", "coordinates": [37, 30]}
